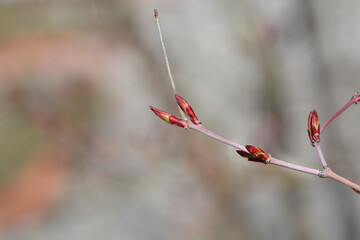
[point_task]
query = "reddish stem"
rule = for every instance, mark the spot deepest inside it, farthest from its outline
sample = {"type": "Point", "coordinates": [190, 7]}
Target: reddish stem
{"type": "Point", "coordinates": [330, 174]}
{"type": "Point", "coordinates": [352, 100]}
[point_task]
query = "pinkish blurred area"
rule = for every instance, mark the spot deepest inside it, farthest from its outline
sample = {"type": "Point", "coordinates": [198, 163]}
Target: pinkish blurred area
{"type": "Point", "coordinates": [83, 157]}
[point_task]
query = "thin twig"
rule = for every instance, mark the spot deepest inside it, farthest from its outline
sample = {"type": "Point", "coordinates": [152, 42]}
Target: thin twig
{"type": "Point", "coordinates": [321, 155]}
{"type": "Point", "coordinates": [156, 14]}
{"type": "Point", "coordinates": [295, 167]}
{"type": "Point", "coordinates": [273, 161]}
{"type": "Point", "coordinates": [352, 100]}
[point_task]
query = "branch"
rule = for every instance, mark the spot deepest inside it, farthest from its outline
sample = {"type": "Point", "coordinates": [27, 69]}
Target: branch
{"type": "Point", "coordinates": [273, 161]}
{"type": "Point", "coordinates": [254, 153]}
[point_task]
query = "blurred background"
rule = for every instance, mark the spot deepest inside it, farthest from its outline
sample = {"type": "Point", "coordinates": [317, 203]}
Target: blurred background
{"type": "Point", "coordinates": [83, 157]}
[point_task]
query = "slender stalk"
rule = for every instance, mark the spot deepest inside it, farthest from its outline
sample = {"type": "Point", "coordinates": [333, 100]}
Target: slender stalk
{"type": "Point", "coordinates": [330, 174]}
{"type": "Point", "coordinates": [156, 14]}
{"type": "Point", "coordinates": [352, 100]}
{"type": "Point", "coordinates": [321, 155]}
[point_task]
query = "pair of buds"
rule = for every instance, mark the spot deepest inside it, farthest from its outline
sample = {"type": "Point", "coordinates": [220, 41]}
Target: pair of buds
{"type": "Point", "coordinates": [185, 107]}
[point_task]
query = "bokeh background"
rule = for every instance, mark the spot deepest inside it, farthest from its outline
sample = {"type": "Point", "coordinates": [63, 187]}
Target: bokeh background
{"type": "Point", "coordinates": [82, 156]}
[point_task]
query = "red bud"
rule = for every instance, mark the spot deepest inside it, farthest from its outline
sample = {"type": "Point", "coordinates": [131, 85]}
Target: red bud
{"type": "Point", "coordinates": [187, 109]}
{"type": "Point", "coordinates": [167, 117]}
{"type": "Point", "coordinates": [313, 127]}
{"type": "Point", "coordinates": [255, 154]}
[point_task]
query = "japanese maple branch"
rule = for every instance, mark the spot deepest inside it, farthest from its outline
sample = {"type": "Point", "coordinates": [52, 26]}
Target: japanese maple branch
{"type": "Point", "coordinates": [254, 153]}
